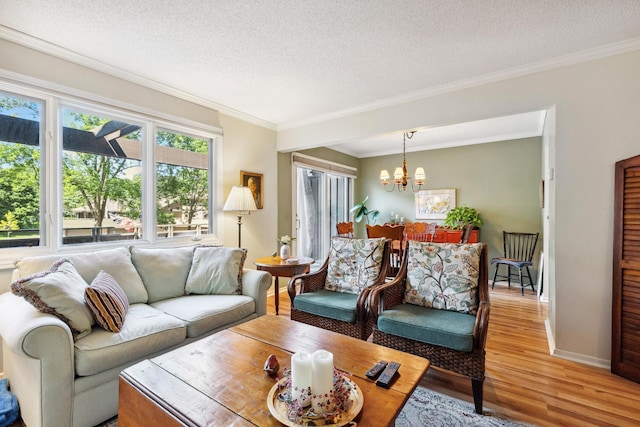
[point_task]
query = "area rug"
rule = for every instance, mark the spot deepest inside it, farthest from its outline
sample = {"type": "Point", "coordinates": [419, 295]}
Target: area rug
{"type": "Point", "coordinates": [428, 408]}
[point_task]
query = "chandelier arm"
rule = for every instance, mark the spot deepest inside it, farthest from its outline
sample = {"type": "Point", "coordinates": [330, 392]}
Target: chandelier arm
{"type": "Point", "coordinates": [393, 187]}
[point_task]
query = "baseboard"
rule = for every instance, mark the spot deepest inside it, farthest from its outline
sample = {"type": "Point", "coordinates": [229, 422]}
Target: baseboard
{"type": "Point", "coordinates": [571, 356]}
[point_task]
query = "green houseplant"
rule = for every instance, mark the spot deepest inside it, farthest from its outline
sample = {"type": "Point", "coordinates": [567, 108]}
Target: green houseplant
{"type": "Point", "coordinates": [360, 211]}
{"type": "Point", "coordinates": [458, 217]}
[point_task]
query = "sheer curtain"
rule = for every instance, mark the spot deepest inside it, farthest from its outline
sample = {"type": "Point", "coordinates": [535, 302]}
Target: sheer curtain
{"type": "Point", "coordinates": [308, 213]}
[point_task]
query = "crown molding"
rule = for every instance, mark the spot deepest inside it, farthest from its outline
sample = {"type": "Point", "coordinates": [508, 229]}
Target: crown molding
{"type": "Point", "coordinates": [48, 48]}
{"type": "Point", "coordinates": [562, 61]}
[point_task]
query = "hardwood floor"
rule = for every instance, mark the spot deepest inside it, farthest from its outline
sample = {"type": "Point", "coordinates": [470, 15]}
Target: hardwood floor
{"type": "Point", "coordinates": [524, 381]}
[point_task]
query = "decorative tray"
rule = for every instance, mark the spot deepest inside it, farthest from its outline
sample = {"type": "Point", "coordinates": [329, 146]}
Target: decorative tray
{"type": "Point", "coordinates": [279, 408]}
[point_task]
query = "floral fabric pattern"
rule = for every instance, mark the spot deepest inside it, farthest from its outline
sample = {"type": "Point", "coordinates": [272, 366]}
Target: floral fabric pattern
{"type": "Point", "coordinates": [443, 276]}
{"type": "Point", "coordinates": [354, 264]}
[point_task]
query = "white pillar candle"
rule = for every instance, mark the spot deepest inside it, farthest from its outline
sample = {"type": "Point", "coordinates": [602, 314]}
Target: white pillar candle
{"type": "Point", "coordinates": [301, 377]}
{"type": "Point", "coordinates": [322, 381]}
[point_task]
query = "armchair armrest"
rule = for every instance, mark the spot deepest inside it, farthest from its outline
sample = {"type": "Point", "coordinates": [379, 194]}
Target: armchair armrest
{"type": "Point", "coordinates": [484, 307]}
{"type": "Point", "coordinates": [308, 282]}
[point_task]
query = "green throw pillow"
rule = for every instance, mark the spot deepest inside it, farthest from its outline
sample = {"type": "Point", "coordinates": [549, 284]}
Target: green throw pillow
{"type": "Point", "coordinates": [216, 270]}
{"type": "Point", "coordinates": [58, 291]}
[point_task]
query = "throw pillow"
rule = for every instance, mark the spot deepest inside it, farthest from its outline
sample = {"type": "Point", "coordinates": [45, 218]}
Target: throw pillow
{"type": "Point", "coordinates": [443, 276]}
{"type": "Point", "coordinates": [354, 264]}
{"type": "Point", "coordinates": [58, 291]}
{"type": "Point", "coordinates": [216, 270]}
{"type": "Point", "coordinates": [164, 271]}
{"type": "Point", "coordinates": [107, 301]}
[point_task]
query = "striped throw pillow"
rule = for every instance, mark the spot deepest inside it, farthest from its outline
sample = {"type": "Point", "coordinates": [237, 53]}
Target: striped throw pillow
{"type": "Point", "coordinates": [107, 301]}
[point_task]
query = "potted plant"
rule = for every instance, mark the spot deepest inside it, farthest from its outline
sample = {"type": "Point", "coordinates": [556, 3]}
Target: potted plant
{"type": "Point", "coordinates": [360, 211]}
{"type": "Point", "coordinates": [458, 217]}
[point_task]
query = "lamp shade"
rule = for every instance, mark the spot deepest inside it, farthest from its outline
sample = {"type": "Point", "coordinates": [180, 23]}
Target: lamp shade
{"type": "Point", "coordinates": [398, 174]}
{"type": "Point", "coordinates": [240, 199]}
{"type": "Point", "coordinates": [420, 176]}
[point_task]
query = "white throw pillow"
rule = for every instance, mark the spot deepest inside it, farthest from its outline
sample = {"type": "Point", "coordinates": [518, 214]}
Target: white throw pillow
{"type": "Point", "coordinates": [216, 271]}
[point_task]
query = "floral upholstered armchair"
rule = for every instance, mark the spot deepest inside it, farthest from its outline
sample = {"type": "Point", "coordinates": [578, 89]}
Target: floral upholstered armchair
{"type": "Point", "coordinates": [437, 307]}
{"type": "Point", "coordinates": [335, 297]}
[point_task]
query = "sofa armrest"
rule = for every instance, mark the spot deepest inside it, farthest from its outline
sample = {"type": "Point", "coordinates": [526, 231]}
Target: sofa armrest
{"type": "Point", "coordinates": [38, 359]}
{"type": "Point", "coordinates": [255, 284]}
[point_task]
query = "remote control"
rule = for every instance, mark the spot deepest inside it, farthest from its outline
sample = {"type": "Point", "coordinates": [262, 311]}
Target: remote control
{"type": "Point", "coordinates": [376, 370]}
{"type": "Point", "coordinates": [385, 379]}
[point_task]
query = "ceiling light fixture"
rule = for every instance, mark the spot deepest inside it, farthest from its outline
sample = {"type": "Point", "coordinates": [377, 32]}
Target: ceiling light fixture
{"type": "Point", "coordinates": [400, 177]}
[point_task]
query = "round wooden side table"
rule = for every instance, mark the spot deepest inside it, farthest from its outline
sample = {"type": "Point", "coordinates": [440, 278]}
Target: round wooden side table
{"type": "Point", "coordinates": [280, 268]}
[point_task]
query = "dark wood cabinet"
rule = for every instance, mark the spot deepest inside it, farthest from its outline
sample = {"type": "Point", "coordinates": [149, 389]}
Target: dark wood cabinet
{"type": "Point", "coordinates": [625, 337]}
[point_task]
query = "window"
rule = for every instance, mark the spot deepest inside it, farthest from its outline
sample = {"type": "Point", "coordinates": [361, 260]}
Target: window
{"type": "Point", "coordinates": [182, 178]}
{"type": "Point", "coordinates": [20, 141]}
{"type": "Point", "coordinates": [101, 178]}
{"type": "Point", "coordinates": [323, 193]}
{"type": "Point", "coordinates": [94, 181]}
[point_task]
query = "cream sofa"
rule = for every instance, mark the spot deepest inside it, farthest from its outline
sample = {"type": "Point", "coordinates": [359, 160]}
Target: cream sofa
{"type": "Point", "coordinates": [61, 380]}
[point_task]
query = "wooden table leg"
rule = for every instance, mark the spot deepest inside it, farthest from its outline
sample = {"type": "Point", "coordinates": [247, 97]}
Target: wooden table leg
{"type": "Point", "coordinates": [276, 296]}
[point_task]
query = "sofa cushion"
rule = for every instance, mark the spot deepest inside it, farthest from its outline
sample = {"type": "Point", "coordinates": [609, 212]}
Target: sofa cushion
{"type": "Point", "coordinates": [163, 271]}
{"type": "Point", "coordinates": [354, 264]}
{"type": "Point", "coordinates": [116, 262]}
{"type": "Point", "coordinates": [204, 313]}
{"type": "Point", "coordinates": [445, 328]}
{"type": "Point", "coordinates": [216, 270]}
{"type": "Point", "coordinates": [443, 275]}
{"type": "Point", "coordinates": [330, 304]}
{"type": "Point", "coordinates": [145, 330]}
{"type": "Point", "coordinates": [58, 291]}
{"type": "Point", "coordinates": [107, 301]}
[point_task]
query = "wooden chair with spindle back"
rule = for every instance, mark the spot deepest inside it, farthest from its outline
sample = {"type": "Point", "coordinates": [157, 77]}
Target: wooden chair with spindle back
{"type": "Point", "coordinates": [345, 229]}
{"type": "Point", "coordinates": [396, 234]}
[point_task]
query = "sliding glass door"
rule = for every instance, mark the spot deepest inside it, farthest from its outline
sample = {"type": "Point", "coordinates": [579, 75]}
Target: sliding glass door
{"type": "Point", "coordinates": [322, 199]}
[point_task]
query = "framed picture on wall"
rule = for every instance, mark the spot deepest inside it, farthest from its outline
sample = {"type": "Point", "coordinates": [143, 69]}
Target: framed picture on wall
{"type": "Point", "coordinates": [434, 204]}
{"type": "Point", "coordinates": [255, 182]}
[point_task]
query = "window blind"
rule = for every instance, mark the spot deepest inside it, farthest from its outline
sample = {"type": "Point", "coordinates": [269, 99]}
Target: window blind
{"type": "Point", "coordinates": [323, 165]}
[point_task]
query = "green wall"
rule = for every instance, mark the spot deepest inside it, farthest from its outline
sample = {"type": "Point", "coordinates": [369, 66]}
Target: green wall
{"type": "Point", "coordinates": [499, 179]}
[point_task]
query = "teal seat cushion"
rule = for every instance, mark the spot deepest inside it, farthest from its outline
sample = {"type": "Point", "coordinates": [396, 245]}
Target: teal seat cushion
{"type": "Point", "coordinates": [330, 304]}
{"type": "Point", "coordinates": [444, 328]}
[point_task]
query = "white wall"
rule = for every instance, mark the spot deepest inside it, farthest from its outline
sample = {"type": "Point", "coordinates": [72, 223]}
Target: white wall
{"type": "Point", "coordinates": [597, 104]}
{"type": "Point", "coordinates": [251, 148]}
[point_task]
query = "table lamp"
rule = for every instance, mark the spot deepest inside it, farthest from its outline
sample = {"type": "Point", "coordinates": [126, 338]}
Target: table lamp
{"type": "Point", "coordinates": [240, 200]}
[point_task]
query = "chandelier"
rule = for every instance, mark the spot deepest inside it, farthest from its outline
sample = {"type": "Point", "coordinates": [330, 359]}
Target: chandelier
{"type": "Point", "coordinates": [400, 177]}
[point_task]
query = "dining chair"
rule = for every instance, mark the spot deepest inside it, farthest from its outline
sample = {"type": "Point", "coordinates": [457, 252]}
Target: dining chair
{"type": "Point", "coordinates": [420, 231]}
{"type": "Point", "coordinates": [519, 249]}
{"type": "Point", "coordinates": [345, 229]}
{"type": "Point", "coordinates": [396, 234]}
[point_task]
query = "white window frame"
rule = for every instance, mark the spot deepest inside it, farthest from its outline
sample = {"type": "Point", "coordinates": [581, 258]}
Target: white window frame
{"type": "Point", "coordinates": [53, 101]}
{"type": "Point", "coordinates": [329, 168]}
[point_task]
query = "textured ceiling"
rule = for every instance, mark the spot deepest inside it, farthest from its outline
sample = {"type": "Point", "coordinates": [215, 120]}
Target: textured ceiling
{"type": "Point", "coordinates": [287, 62]}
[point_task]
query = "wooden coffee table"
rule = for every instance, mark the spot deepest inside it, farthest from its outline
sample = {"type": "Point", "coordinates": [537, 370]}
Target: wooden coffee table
{"type": "Point", "coordinates": [219, 380]}
{"type": "Point", "coordinates": [280, 268]}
